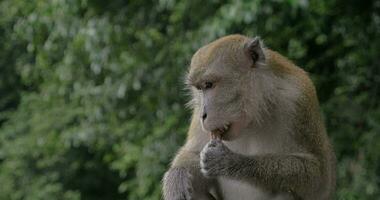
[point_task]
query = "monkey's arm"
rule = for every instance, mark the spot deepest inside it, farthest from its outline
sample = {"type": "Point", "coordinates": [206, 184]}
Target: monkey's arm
{"type": "Point", "coordinates": [279, 172]}
{"type": "Point", "coordinates": [292, 173]}
{"type": "Point", "coordinates": [184, 181]}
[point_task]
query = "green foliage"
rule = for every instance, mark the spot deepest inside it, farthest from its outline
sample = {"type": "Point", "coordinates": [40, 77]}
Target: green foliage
{"type": "Point", "coordinates": [92, 99]}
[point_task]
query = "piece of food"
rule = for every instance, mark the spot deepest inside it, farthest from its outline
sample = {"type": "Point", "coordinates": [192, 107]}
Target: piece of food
{"type": "Point", "coordinates": [216, 135]}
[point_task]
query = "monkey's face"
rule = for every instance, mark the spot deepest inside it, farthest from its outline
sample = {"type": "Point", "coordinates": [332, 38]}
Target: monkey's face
{"type": "Point", "coordinates": [220, 74]}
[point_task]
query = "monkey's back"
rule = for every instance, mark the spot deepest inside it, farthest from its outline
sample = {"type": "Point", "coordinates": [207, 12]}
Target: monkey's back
{"type": "Point", "coordinates": [310, 129]}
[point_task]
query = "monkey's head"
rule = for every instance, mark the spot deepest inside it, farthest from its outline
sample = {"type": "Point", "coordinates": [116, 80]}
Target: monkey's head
{"type": "Point", "coordinates": [224, 87]}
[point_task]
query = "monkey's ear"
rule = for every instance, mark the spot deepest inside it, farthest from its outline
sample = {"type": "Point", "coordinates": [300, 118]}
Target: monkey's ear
{"type": "Point", "coordinates": [255, 50]}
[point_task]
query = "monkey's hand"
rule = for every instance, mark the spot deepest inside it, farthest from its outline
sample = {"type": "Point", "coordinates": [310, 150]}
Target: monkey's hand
{"type": "Point", "coordinates": [216, 159]}
{"type": "Point", "coordinates": [177, 184]}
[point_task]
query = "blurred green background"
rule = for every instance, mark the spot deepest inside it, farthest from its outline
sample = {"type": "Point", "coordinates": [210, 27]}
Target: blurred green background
{"type": "Point", "coordinates": [92, 99]}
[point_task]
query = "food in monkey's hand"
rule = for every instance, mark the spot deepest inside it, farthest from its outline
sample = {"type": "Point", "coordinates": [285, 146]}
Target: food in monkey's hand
{"type": "Point", "coordinates": [216, 135]}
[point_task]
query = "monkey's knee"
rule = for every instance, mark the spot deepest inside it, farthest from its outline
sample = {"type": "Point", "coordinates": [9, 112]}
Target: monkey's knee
{"type": "Point", "coordinates": [177, 184]}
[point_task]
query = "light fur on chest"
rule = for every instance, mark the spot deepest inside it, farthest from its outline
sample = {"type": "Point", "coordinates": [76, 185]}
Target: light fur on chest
{"type": "Point", "coordinates": [238, 190]}
{"type": "Point", "coordinates": [271, 139]}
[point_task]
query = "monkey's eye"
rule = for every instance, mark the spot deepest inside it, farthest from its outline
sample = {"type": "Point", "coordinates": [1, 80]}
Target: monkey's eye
{"type": "Point", "coordinates": [208, 85]}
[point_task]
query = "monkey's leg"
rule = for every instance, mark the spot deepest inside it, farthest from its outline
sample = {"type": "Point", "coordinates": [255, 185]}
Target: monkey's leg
{"type": "Point", "coordinates": [184, 181]}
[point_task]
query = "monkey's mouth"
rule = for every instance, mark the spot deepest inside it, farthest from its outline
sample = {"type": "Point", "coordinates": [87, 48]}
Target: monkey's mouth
{"type": "Point", "coordinates": [219, 132]}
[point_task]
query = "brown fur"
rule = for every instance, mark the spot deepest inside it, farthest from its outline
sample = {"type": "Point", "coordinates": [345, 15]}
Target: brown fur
{"type": "Point", "coordinates": [302, 167]}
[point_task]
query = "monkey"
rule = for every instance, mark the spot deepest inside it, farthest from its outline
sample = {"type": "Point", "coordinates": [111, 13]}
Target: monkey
{"type": "Point", "coordinates": [256, 130]}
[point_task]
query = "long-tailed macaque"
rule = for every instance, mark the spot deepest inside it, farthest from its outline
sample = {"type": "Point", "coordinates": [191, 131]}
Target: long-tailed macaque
{"type": "Point", "coordinates": [256, 131]}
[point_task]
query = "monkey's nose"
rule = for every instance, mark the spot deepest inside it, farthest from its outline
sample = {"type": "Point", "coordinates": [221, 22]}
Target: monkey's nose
{"type": "Point", "coordinates": [204, 116]}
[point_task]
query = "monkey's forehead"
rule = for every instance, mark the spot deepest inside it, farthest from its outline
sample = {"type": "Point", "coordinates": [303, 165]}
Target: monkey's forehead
{"type": "Point", "coordinates": [227, 48]}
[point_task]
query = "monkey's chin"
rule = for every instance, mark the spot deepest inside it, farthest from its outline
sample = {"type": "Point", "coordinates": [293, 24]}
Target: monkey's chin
{"type": "Point", "coordinates": [232, 133]}
{"type": "Point", "coordinates": [234, 130]}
